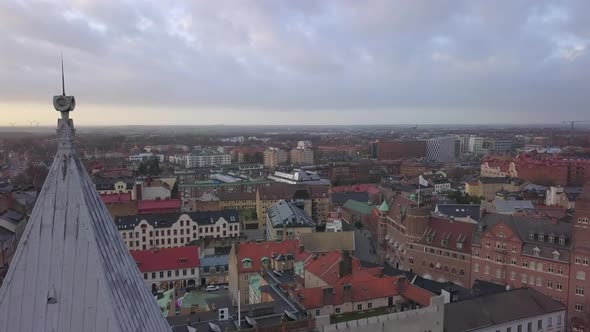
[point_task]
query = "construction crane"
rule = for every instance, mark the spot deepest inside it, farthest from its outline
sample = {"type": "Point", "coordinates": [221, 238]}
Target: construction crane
{"type": "Point", "coordinates": [573, 128]}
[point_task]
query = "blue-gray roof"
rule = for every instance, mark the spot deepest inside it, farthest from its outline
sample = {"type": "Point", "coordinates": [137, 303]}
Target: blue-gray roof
{"type": "Point", "coordinates": [209, 261]}
{"type": "Point", "coordinates": [459, 210]}
{"type": "Point", "coordinates": [285, 214]}
{"type": "Point", "coordinates": [510, 206]}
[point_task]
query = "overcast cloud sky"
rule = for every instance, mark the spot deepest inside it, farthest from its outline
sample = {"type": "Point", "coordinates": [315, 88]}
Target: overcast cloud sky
{"type": "Point", "coordinates": [297, 61]}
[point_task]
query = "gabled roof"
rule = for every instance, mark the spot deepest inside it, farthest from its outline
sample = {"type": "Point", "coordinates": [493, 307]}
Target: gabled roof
{"type": "Point", "coordinates": [165, 259]}
{"type": "Point", "coordinates": [443, 233]}
{"type": "Point", "coordinates": [285, 214]}
{"type": "Point", "coordinates": [257, 251]}
{"type": "Point", "coordinates": [384, 207]}
{"type": "Point", "coordinates": [72, 271]}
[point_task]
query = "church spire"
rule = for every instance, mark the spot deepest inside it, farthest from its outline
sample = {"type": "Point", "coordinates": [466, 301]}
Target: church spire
{"type": "Point", "coordinates": [65, 126]}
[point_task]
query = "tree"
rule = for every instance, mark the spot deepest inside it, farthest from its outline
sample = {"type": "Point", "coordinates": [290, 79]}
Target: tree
{"type": "Point", "coordinates": [149, 167]}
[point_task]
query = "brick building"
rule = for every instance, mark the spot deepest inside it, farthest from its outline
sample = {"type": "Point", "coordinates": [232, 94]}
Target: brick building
{"type": "Point", "coordinates": [393, 150]}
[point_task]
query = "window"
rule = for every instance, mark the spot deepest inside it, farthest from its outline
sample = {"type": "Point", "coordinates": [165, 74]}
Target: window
{"type": "Point", "coordinates": [337, 310]}
{"type": "Point", "coordinates": [145, 276]}
{"type": "Point", "coordinates": [513, 261]}
{"type": "Point", "coordinates": [476, 252]}
{"type": "Point", "coordinates": [536, 251]}
{"type": "Point", "coordinates": [169, 273]}
{"type": "Point", "coordinates": [540, 267]}
{"type": "Point", "coordinates": [182, 223]}
{"type": "Point", "coordinates": [549, 321]}
{"type": "Point", "coordinates": [531, 236]}
{"type": "Point", "coordinates": [487, 244]}
{"type": "Point", "coordinates": [549, 284]}
{"type": "Point", "coordinates": [523, 278]}
{"type": "Point", "coordinates": [529, 327]}
{"type": "Point", "coordinates": [162, 274]}
{"type": "Point", "coordinates": [246, 263]}
{"type": "Point", "coordinates": [559, 286]}
{"type": "Point", "coordinates": [184, 272]}
{"type": "Point", "coordinates": [175, 232]}
{"type": "Point", "coordinates": [359, 306]}
{"type": "Point", "coordinates": [499, 259]}
{"type": "Point", "coordinates": [153, 275]}
{"type": "Point", "coordinates": [550, 268]}
{"type": "Point", "coordinates": [580, 290]}
{"type": "Point", "coordinates": [533, 265]}
{"type": "Point", "coordinates": [498, 273]}
{"type": "Point", "coordinates": [461, 272]}
{"type": "Point", "coordinates": [525, 264]}
{"type": "Point", "coordinates": [577, 260]}
{"type": "Point", "coordinates": [487, 269]}
{"type": "Point", "coordinates": [531, 279]}
{"type": "Point", "coordinates": [579, 307]}
{"type": "Point", "coordinates": [476, 267]}
{"type": "Point", "coordinates": [488, 257]}
{"type": "Point", "coordinates": [560, 270]}
{"type": "Point", "coordinates": [539, 281]}
{"type": "Point", "coordinates": [192, 271]}
{"type": "Point", "coordinates": [519, 328]}
{"type": "Point", "coordinates": [558, 319]}
{"type": "Point", "coordinates": [512, 275]}
{"type": "Point", "coordinates": [370, 305]}
{"type": "Point", "coordinates": [317, 312]}
{"type": "Point", "coordinates": [562, 240]}
{"type": "Point", "coordinates": [411, 260]}
{"type": "Point", "coordinates": [551, 238]}
{"type": "Point", "coordinates": [182, 232]}
{"type": "Point", "coordinates": [581, 275]}
{"type": "Point", "coordinates": [513, 248]}
{"type": "Point", "coordinates": [508, 329]}
{"type": "Point", "coordinates": [555, 255]}
{"type": "Point", "coordinates": [585, 261]}
{"type": "Point", "coordinates": [540, 324]}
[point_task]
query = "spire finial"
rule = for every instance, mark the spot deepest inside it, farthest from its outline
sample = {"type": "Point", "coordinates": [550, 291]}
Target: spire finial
{"type": "Point", "coordinates": [63, 84]}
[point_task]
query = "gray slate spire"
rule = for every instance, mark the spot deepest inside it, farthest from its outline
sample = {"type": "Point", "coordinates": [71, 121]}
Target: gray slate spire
{"type": "Point", "coordinates": [71, 271]}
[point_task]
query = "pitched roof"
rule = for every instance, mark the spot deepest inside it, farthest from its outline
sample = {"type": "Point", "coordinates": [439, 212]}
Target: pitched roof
{"type": "Point", "coordinates": [165, 259]}
{"type": "Point", "coordinates": [441, 230]}
{"type": "Point", "coordinates": [257, 251]}
{"type": "Point", "coordinates": [285, 214]}
{"type": "Point", "coordinates": [459, 210]}
{"type": "Point", "coordinates": [72, 271]}
{"type": "Point", "coordinates": [327, 241]}
{"type": "Point", "coordinates": [493, 310]}
{"type": "Point", "coordinates": [360, 207]}
{"type": "Point", "coordinates": [340, 198]}
{"type": "Point", "coordinates": [159, 204]}
{"type": "Point", "coordinates": [384, 207]}
{"type": "Point", "coordinates": [510, 206]}
{"type": "Point", "coordinates": [163, 220]}
{"type": "Point", "coordinates": [327, 268]}
{"type": "Point", "coordinates": [116, 198]}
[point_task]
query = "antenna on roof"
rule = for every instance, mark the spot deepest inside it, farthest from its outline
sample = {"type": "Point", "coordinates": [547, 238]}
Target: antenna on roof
{"type": "Point", "coordinates": [63, 84]}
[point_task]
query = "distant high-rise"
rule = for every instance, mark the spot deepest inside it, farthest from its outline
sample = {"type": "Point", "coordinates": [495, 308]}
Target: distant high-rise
{"type": "Point", "coordinates": [441, 149]}
{"type": "Point", "coordinates": [273, 157]}
{"type": "Point", "coordinates": [71, 271]}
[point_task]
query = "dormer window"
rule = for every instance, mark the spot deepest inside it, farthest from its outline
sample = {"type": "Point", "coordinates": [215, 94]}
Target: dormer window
{"type": "Point", "coordinates": [536, 251]}
{"type": "Point", "coordinates": [541, 237]}
{"type": "Point", "coordinates": [551, 238]}
{"type": "Point", "coordinates": [444, 242]}
{"type": "Point", "coordinates": [556, 255]}
{"type": "Point", "coordinates": [459, 245]}
{"type": "Point", "coordinates": [531, 236]}
{"type": "Point", "coordinates": [562, 240]}
{"type": "Point", "coordinates": [429, 239]}
{"type": "Point", "coordinates": [246, 263]}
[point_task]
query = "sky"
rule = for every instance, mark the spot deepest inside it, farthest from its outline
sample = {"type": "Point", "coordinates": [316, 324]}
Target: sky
{"type": "Point", "coordinates": [292, 62]}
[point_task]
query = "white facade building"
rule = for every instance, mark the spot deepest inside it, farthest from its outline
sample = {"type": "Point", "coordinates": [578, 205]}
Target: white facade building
{"type": "Point", "coordinates": [145, 156]}
{"type": "Point", "coordinates": [440, 149]}
{"type": "Point", "coordinates": [298, 176]}
{"type": "Point", "coordinates": [475, 145]}
{"type": "Point", "coordinates": [207, 160]}
{"type": "Point", "coordinates": [175, 267]}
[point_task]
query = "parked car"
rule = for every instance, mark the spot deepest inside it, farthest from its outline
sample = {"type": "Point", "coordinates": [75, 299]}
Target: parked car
{"type": "Point", "coordinates": [225, 287]}
{"type": "Point", "coordinates": [212, 288]}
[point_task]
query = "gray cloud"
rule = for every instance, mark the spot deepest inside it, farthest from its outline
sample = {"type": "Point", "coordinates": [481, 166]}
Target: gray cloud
{"type": "Point", "coordinates": [529, 57]}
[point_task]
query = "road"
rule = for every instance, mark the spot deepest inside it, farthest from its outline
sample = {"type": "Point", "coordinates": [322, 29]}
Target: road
{"type": "Point", "coordinates": [364, 247]}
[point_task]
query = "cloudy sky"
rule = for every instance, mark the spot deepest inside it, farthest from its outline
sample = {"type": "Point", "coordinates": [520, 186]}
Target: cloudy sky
{"type": "Point", "coordinates": [297, 61]}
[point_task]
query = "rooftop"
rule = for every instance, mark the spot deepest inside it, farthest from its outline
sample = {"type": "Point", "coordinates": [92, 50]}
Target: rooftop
{"type": "Point", "coordinates": [492, 310]}
{"type": "Point", "coordinates": [459, 210]}
{"type": "Point", "coordinates": [327, 241]}
{"type": "Point", "coordinates": [360, 207]}
{"type": "Point", "coordinates": [165, 259]}
{"type": "Point", "coordinates": [285, 214]}
{"type": "Point", "coordinates": [162, 220]}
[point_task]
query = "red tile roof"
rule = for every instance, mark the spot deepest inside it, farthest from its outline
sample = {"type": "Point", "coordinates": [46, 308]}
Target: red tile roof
{"type": "Point", "coordinates": [367, 187]}
{"type": "Point", "coordinates": [452, 231]}
{"type": "Point", "coordinates": [417, 294]}
{"type": "Point", "coordinates": [256, 251]}
{"type": "Point", "coordinates": [327, 268]}
{"type": "Point", "coordinates": [166, 259]}
{"type": "Point", "coordinates": [151, 205]}
{"type": "Point", "coordinates": [116, 198]}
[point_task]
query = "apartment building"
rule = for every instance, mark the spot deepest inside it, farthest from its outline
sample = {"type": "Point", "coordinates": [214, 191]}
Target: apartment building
{"type": "Point", "coordinates": [168, 268]}
{"type": "Point", "coordinates": [206, 159]}
{"type": "Point", "coordinates": [284, 220]}
{"type": "Point", "coordinates": [301, 156]}
{"type": "Point", "coordinates": [142, 232]}
{"type": "Point", "coordinates": [273, 157]}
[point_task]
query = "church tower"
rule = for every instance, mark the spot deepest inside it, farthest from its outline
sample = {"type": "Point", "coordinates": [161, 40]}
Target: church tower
{"type": "Point", "coordinates": [71, 271]}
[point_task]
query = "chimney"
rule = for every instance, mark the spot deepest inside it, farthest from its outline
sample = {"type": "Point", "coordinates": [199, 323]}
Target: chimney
{"type": "Point", "coordinates": [328, 295]}
{"type": "Point", "coordinates": [345, 264]}
{"type": "Point", "coordinates": [347, 293]}
{"type": "Point", "coordinates": [138, 191]}
{"type": "Point", "coordinates": [301, 248]}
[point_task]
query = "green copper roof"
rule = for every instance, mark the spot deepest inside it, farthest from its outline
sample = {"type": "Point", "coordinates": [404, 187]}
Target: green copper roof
{"type": "Point", "coordinates": [384, 207]}
{"type": "Point", "coordinates": [360, 207]}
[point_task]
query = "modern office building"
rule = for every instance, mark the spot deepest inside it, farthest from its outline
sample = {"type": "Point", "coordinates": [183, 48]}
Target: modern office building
{"type": "Point", "coordinates": [440, 149]}
{"type": "Point", "coordinates": [476, 145]}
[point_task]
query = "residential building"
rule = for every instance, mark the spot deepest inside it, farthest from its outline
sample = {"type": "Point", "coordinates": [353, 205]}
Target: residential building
{"type": "Point", "coordinates": [356, 212]}
{"type": "Point", "coordinates": [340, 198]}
{"type": "Point", "coordinates": [142, 232]}
{"type": "Point", "coordinates": [552, 169]}
{"type": "Point", "coordinates": [191, 191]}
{"type": "Point", "coordinates": [394, 150]}
{"type": "Point", "coordinates": [284, 220]}
{"type": "Point", "coordinates": [273, 157]}
{"type": "Point", "coordinates": [564, 197]}
{"type": "Point", "coordinates": [440, 149]}
{"type": "Point", "coordinates": [522, 251]}
{"type": "Point", "coordinates": [106, 186]}
{"type": "Point", "coordinates": [304, 145]}
{"type": "Point", "coordinates": [238, 201]}
{"type": "Point", "coordinates": [298, 176]}
{"type": "Point", "coordinates": [476, 145]}
{"type": "Point", "coordinates": [167, 268]}
{"type": "Point", "coordinates": [71, 272]}
{"type": "Point", "coordinates": [518, 310]}
{"type": "Point", "coordinates": [159, 206]}
{"type": "Point", "coordinates": [213, 269]}
{"type": "Point", "coordinates": [301, 156]}
{"type": "Point", "coordinates": [488, 187]}
{"type": "Point", "coordinates": [202, 158]}
{"type": "Point", "coordinates": [412, 169]}
{"type": "Point", "coordinates": [140, 157]}
{"type": "Point", "coordinates": [443, 253]}
{"type": "Point", "coordinates": [510, 206]}
{"type": "Point", "coordinates": [497, 168]}
{"type": "Point", "coordinates": [579, 276]}
{"type": "Point", "coordinates": [440, 184]}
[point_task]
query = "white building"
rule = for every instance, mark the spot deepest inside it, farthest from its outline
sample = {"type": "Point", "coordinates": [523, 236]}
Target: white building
{"type": "Point", "coordinates": [304, 145]}
{"type": "Point", "coordinates": [142, 232]}
{"type": "Point", "coordinates": [204, 159]}
{"type": "Point", "coordinates": [298, 176]}
{"type": "Point", "coordinates": [145, 156]}
{"type": "Point", "coordinates": [475, 145]}
{"type": "Point", "coordinates": [175, 267]}
{"type": "Point", "coordinates": [517, 310]}
{"type": "Point", "coordinates": [440, 149]}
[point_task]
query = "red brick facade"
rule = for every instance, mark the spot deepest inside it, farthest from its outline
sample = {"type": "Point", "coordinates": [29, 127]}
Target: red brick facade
{"type": "Point", "coordinates": [401, 149]}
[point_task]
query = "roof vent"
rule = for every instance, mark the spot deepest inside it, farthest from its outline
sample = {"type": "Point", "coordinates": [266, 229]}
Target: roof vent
{"type": "Point", "coordinates": [51, 297]}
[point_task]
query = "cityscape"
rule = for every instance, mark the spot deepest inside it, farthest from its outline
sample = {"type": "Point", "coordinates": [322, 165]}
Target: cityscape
{"type": "Point", "coordinates": [283, 214]}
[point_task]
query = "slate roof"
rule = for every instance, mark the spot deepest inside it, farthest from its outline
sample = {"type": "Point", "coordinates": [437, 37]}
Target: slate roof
{"type": "Point", "coordinates": [71, 270]}
{"type": "Point", "coordinates": [441, 230]}
{"type": "Point", "coordinates": [523, 226]}
{"type": "Point", "coordinates": [163, 220]}
{"type": "Point", "coordinates": [459, 210]}
{"type": "Point", "coordinates": [511, 206]}
{"type": "Point", "coordinates": [493, 310]}
{"type": "Point", "coordinates": [209, 261]}
{"type": "Point", "coordinates": [341, 198]}
{"type": "Point", "coordinates": [285, 214]}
